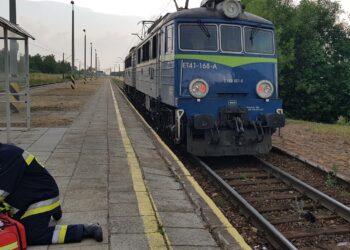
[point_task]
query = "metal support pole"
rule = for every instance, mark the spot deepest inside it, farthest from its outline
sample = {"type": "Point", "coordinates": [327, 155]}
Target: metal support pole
{"type": "Point", "coordinates": [7, 88]}
{"type": "Point", "coordinates": [186, 5]}
{"type": "Point", "coordinates": [96, 63]}
{"type": "Point", "coordinates": [73, 50]}
{"type": "Point", "coordinates": [13, 43]}
{"type": "Point", "coordinates": [91, 60]}
{"type": "Point", "coordinates": [64, 66]}
{"type": "Point", "coordinates": [13, 12]}
{"type": "Point", "coordinates": [28, 101]}
{"type": "Point", "coordinates": [176, 5]}
{"type": "Point", "coordinates": [84, 55]}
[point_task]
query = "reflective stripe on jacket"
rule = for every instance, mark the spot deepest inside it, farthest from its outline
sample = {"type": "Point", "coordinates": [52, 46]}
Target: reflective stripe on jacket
{"type": "Point", "coordinates": [25, 184]}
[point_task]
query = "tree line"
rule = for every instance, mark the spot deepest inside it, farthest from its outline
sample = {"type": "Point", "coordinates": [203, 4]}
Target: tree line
{"type": "Point", "coordinates": [313, 57]}
{"type": "Point", "coordinates": [47, 64]}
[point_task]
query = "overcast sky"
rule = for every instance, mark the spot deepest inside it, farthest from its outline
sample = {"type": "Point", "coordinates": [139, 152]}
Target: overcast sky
{"type": "Point", "coordinates": [109, 24]}
{"type": "Point", "coordinates": [146, 8]}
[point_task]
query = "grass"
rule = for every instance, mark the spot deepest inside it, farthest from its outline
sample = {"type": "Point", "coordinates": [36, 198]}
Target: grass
{"type": "Point", "coordinates": [41, 78]}
{"type": "Point", "coordinates": [331, 178]}
{"type": "Point", "coordinates": [322, 128]}
{"type": "Point", "coordinates": [117, 81]}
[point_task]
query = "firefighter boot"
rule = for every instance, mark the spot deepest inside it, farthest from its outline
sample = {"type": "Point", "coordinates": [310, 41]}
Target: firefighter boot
{"type": "Point", "coordinates": [93, 231]}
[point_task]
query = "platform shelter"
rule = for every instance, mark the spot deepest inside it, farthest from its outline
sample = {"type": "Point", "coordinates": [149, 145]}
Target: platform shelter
{"type": "Point", "coordinates": [14, 78]}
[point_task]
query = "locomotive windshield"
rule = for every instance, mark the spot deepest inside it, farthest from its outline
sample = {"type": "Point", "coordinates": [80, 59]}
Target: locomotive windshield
{"type": "Point", "coordinates": [204, 37]}
{"type": "Point", "coordinates": [198, 37]}
{"type": "Point", "coordinates": [258, 41]}
{"type": "Point", "coordinates": [231, 38]}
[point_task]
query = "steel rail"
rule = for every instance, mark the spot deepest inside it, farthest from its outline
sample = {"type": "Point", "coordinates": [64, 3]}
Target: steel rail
{"type": "Point", "coordinates": [276, 238]}
{"type": "Point", "coordinates": [322, 169]}
{"type": "Point", "coordinates": [311, 192]}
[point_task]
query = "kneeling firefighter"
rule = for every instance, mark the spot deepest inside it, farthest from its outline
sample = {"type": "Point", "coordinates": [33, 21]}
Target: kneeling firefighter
{"type": "Point", "coordinates": [32, 196]}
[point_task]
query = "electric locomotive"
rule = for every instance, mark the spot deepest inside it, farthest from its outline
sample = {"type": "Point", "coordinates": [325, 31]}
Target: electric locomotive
{"type": "Point", "coordinates": [208, 77]}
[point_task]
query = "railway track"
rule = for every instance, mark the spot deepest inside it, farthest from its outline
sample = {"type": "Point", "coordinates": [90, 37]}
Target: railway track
{"type": "Point", "coordinates": [327, 181]}
{"type": "Point", "coordinates": [291, 213]}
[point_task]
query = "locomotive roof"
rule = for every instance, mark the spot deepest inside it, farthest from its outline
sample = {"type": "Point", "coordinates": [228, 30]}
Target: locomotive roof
{"type": "Point", "coordinates": [204, 12]}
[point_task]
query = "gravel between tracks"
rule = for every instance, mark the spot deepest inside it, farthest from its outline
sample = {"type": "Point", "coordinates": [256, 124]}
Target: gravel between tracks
{"type": "Point", "coordinates": [248, 231]}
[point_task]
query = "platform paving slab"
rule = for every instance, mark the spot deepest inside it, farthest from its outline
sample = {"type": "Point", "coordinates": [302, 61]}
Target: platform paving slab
{"type": "Point", "coordinates": [88, 160]}
{"type": "Point", "coordinates": [190, 237]}
{"type": "Point", "coordinates": [129, 241]}
{"type": "Point", "coordinates": [180, 182]}
{"type": "Point", "coordinates": [132, 225]}
{"type": "Point", "coordinates": [185, 227]}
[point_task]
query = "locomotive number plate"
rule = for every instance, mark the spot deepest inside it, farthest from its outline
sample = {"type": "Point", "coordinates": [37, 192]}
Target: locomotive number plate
{"type": "Point", "coordinates": [202, 66]}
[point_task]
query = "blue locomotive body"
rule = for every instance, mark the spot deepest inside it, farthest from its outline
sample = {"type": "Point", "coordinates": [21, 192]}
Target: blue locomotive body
{"type": "Point", "coordinates": [209, 81]}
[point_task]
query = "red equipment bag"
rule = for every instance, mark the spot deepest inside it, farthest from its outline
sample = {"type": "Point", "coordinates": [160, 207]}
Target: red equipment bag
{"type": "Point", "coordinates": [12, 234]}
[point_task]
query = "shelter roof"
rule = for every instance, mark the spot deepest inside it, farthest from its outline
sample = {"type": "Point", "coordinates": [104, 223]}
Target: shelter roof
{"type": "Point", "coordinates": [14, 28]}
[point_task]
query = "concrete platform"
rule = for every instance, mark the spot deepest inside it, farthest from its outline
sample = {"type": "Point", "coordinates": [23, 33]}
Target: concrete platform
{"type": "Point", "coordinates": [111, 170]}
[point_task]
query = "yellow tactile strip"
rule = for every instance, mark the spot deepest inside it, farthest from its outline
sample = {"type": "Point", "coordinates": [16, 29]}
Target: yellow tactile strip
{"type": "Point", "coordinates": [156, 239]}
{"type": "Point", "coordinates": [230, 229]}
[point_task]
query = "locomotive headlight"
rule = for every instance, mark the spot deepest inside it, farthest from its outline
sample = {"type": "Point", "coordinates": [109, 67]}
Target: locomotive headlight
{"type": "Point", "coordinates": [232, 8]}
{"type": "Point", "coordinates": [199, 88]}
{"type": "Point", "coordinates": [264, 89]}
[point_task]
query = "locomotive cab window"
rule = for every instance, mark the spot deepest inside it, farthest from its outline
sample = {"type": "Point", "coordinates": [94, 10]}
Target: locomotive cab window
{"type": "Point", "coordinates": [231, 38]}
{"type": "Point", "coordinates": [128, 62]}
{"type": "Point", "coordinates": [145, 52]}
{"type": "Point", "coordinates": [169, 46]}
{"type": "Point", "coordinates": [259, 41]}
{"type": "Point", "coordinates": [139, 56]}
{"type": "Point", "coordinates": [154, 46]}
{"type": "Point", "coordinates": [199, 37]}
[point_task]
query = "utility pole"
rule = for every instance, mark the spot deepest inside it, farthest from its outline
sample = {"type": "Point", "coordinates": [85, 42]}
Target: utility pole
{"type": "Point", "coordinates": [84, 56]}
{"type": "Point", "coordinates": [13, 12]}
{"type": "Point", "coordinates": [96, 62]}
{"type": "Point", "coordinates": [13, 43]}
{"type": "Point", "coordinates": [73, 50]}
{"type": "Point", "coordinates": [64, 66]}
{"type": "Point", "coordinates": [79, 67]}
{"type": "Point", "coordinates": [91, 60]}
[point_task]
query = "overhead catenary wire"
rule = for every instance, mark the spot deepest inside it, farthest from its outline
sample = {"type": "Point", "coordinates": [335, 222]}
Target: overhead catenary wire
{"type": "Point", "coordinates": [52, 51]}
{"type": "Point", "coordinates": [45, 49]}
{"type": "Point", "coordinates": [155, 16]}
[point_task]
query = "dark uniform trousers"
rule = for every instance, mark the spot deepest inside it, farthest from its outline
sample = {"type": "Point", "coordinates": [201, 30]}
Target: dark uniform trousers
{"type": "Point", "coordinates": [39, 233]}
{"type": "Point", "coordinates": [33, 196]}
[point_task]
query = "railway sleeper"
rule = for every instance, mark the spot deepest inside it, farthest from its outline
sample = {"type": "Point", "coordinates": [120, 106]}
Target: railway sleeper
{"type": "Point", "coordinates": [285, 207]}
{"type": "Point", "coordinates": [259, 189]}
{"type": "Point", "coordinates": [237, 183]}
{"type": "Point", "coordinates": [245, 175]}
{"type": "Point", "coordinates": [238, 170]}
{"type": "Point", "coordinates": [330, 230]}
{"type": "Point", "coordinates": [298, 218]}
{"type": "Point", "coordinates": [276, 197]}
